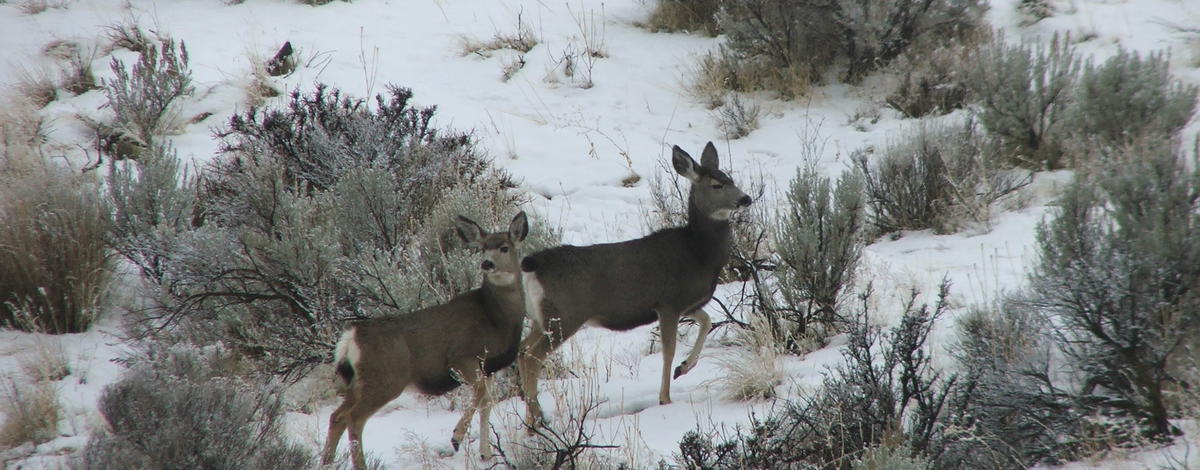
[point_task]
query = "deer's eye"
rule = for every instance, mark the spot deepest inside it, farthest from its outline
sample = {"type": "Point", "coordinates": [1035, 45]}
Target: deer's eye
{"type": "Point", "coordinates": [718, 186]}
{"type": "Point", "coordinates": [504, 249]}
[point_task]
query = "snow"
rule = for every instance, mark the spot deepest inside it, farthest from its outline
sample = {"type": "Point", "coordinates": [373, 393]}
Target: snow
{"type": "Point", "coordinates": [570, 148]}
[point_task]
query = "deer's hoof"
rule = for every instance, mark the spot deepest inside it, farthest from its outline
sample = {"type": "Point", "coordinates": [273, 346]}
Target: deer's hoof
{"type": "Point", "coordinates": [662, 401]}
{"type": "Point", "coordinates": [680, 370]}
{"type": "Point", "coordinates": [454, 443]}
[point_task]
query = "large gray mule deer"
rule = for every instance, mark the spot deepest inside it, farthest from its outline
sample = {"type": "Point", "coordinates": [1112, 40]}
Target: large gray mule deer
{"type": "Point", "coordinates": [661, 277]}
{"type": "Point", "coordinates": [438, 348]}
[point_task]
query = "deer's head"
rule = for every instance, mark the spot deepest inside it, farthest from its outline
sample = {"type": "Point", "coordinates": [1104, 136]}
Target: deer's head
{"type": "Point", "coordinates": [500, 263]}
{"type": "Point", "coordinates": [713, 192]}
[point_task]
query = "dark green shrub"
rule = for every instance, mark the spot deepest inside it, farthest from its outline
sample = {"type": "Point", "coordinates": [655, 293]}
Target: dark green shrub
{"type": "Point", "coordinates": [1127, 99]}
{"type": "Point", "coordinates": [783, 45]}
{"type": "Point", "coordinates": [1011, 410]}
{"type": "Point", "coordinates": [886, 391]}
{"type": "Point", "coordinates": [1120, 278]}
{"type": "Point", "coordinates": [819, 243]}
{"type": "Point", "coordinates": [935, 177]}
{"type": "Point", "coordinates": [1024, 94]}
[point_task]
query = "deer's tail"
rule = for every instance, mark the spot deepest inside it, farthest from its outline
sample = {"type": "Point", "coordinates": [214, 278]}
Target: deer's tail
{"type": "Point", "coordinates": [528, 264]}
{"type": "Point", "coordinates": [345, 356]}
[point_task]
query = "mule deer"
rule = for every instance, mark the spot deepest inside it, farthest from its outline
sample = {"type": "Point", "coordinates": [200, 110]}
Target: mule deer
{"type": "Point", "coordinates": [438, 348]}
{"type": "Point", "coordinates": [661, 277]}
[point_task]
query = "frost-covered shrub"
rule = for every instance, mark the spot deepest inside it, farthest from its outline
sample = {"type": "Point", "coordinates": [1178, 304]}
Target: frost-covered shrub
{"type": "Point", "coordinates": [1129, 98]}
{"type": "Point", "coordinates": [1034, 11]}
{"type": "Point", "coordinates": [1009, 410]}
{"type": "Point", "coordinates": [1024, 94]}
{"type": "Point", "coordinates": [54, 265]}
{"type": "Point", "coordinates": [178, 412]}
{"type": "Point", "coordinates": [152, 202]}
{"type": "Point", "coordinates": [935, 177]}
{"type": "Point", "coordinates": [326, 211]}
{"type": "Point", "coordinates": [687, 16]}
{"type": "Point", "coordinates": [889, 457]}
{"type": "Point", "coordinates": [320, 136]}
{"type": "Point", "coordinates": [1119, 277]}
{"type": "Point", "coordinates": [819, 242]}
{"type": "Point", "coordinates": [142, 96]}
{"type": "Point", "coordinates": [886, 386]}
{"type": "Point", "coordinates": [805, 39]}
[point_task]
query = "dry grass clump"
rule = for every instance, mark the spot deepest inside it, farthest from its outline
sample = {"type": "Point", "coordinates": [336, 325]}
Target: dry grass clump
{"type": "Point", "coordinates": [737, 118]}
{"type": "Point", "coordinates": [30, 411]}
{"type": "Point", "coordinates": [684, 16]}
{"type": "Point", "coordinates": [522, 40]}
{"type": "Point", "coordinates": [77, 76]}
{"type": "Point", "coordinates": [33, 7]}
{"type": "Point", "coordinates": [749, 374]}
{"type": "Point", "coordinates": [37, 87]}
{"type": "Point", "coordinates": [126, 35]}
{"type": "Point", "coordinates": [47, 362]}
{"type": "Point", "coordinates": [54, 264]}
{"type": "Point", "coordinates": [720, 72]}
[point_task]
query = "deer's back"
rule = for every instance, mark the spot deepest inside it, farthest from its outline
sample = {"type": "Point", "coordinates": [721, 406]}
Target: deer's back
{"type": "Point", "coordinates": [620, 285]}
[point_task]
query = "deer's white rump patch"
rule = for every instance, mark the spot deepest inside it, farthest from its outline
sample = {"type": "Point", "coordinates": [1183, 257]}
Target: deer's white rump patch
{"type": "Point", "coordinates": [534, 293]}
{"type": "Point", "coordinates": [347, 348]}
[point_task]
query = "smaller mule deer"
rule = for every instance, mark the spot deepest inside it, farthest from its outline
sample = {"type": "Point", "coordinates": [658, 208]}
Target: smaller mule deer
{"type": "Point", "coordinates": [438, 348]}
{"type": "Point", "coordinates": [661, 277]}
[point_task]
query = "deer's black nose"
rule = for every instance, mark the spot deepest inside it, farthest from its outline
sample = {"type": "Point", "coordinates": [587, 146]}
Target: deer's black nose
{"type": "Point", "coordinates": [744, 201]}
{"type": "Point", "coordinates": [487, 265]}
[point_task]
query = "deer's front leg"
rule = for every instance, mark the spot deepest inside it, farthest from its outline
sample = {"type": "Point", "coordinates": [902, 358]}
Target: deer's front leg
{"type": "Point", "coordinates": [668, 327]}
{"type": "Point", "coordinates": [705, 322]}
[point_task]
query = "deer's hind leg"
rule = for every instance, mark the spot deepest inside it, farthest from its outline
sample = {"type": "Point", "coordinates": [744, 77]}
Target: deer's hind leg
{"type": "Point", "coordinates": [483, 401]}
{"type": "Point", "coordinates": [705, 323]}
{"type": "Point", "coordinates": [359, 414]}
{"type": "Point", "coordinates": [338, 421]}
{"type": "Point", "coordinates": [533, 352]}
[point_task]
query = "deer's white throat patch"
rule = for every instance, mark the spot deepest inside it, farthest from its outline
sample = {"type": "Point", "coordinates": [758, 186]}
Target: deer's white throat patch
{"type": "Point", "coordinates": [501, 278]}
{"type": "Point", "coordinates": [722, 214]}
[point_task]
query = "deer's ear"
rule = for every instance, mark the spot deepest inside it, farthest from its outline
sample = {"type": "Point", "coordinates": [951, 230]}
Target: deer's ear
{"type": "Point", "coordinates": [708, 159]}
{"type": "Point", "coordinates": [468, 230]}
{"type": "Point", "coordinates": [518, 229]}
{"type": "Point", "coordinates": [683, 163]}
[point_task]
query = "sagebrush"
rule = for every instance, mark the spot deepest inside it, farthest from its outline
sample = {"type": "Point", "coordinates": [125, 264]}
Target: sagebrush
{"type": "Point", "coordinates": [887, 390]}
{"type": "Point", "coordinates": [818, 243]}
{"type": "Point", "coordinates": [935, 177]}
{"type": "Point", "coordinates": [785, 45]}
{"type": "Point", "coordinates": [143, 97]}
{"type": "Point", "coordinates": [325, 211]}
{"type": "Point", "coordinates": [177, 410]}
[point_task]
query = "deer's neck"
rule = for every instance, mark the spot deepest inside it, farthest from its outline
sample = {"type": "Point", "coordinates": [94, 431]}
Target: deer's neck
{"type": "Point", "coordinates": [504, 298]}
{"type": "Point", "coordinates": [711, 239]}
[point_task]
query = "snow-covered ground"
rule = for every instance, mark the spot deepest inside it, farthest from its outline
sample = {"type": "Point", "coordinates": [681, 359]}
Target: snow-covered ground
{"type": "Point", "coordinates": [569, 146]}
